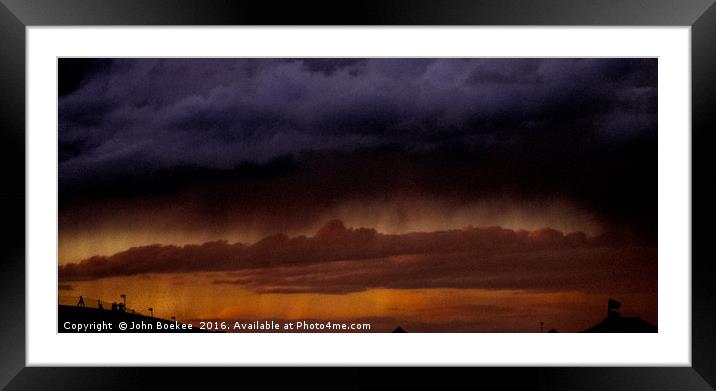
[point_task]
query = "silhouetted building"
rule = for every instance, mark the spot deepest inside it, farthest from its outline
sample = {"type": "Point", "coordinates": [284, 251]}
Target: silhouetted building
{"type": "Point", "coordinates": [616, 323]}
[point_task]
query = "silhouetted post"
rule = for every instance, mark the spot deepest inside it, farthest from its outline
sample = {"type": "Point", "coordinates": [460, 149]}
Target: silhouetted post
{"type": "Point", "coordinates": [151, 312]}
{"type": "Point", "coordinates": [541, 327]}
{"type": "Point", "coordinates": [124, 300]}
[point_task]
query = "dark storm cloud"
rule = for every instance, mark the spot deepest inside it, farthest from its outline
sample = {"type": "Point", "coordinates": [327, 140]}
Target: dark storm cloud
{"type": "Point", "coordinates": [340, 260]}
{"type": "Point", "coordinates": [179, 111]}
{"type": "Point", "coordinates": [328, 66]}
{"type": "Point", "coordinates": [584, 129]}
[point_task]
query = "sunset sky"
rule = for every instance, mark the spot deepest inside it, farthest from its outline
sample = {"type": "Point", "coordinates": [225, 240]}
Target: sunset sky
{"type": "Point", "coordinates": [436, 194]}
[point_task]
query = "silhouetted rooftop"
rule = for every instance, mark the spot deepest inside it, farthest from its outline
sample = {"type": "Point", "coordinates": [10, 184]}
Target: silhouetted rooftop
{"type": "Point", "coordinates": [614, 323]}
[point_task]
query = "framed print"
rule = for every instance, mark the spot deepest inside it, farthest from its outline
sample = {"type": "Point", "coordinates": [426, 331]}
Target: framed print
{"type": "Point", "coordinates": [232, 184]}
{"type": "Point", "coordinates": [285, 243]}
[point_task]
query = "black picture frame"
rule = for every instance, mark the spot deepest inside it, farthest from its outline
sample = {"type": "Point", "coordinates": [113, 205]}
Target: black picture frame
{"type": "Point", "coordinates": [16, 15]}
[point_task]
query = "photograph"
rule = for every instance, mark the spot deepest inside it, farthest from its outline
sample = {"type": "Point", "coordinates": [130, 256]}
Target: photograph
{"type": "Point", "coordinates": [196, 192]}
{"type": "Point", "coordinates": [357, 195]}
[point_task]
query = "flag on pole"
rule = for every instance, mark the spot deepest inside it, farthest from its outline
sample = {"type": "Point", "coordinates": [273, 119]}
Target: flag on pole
{"type": "Point", "coordinates": [614, 305]}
